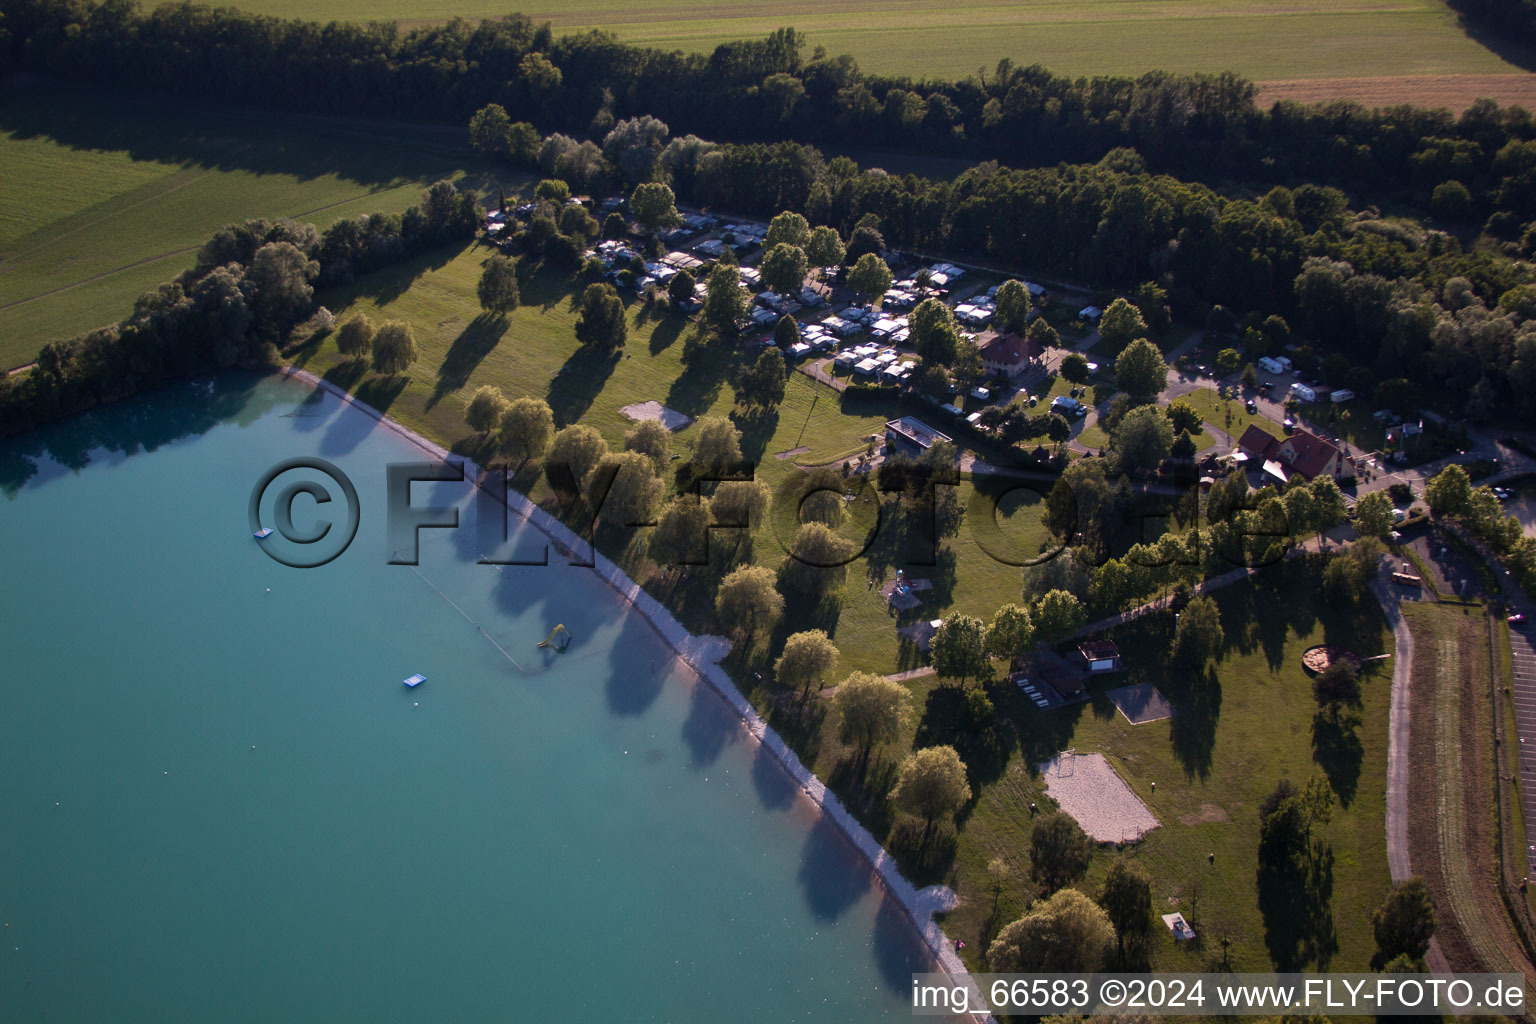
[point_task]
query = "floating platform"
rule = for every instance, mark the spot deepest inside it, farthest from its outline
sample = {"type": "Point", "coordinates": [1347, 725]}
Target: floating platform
{"type": "Point", "coordinates": [415, 681]}
{"type": "Point", "coordinates": [263, 533]}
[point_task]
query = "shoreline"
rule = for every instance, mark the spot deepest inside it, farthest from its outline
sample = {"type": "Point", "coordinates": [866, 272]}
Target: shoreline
{"type": "Point", "coordinates": [701, 655]}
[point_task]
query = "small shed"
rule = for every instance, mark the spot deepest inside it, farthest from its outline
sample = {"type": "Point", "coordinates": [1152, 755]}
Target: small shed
{"type": "Point", "coordinates": [1100, 655]}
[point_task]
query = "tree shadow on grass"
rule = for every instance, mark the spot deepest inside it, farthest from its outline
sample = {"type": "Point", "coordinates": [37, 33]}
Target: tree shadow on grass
{"type": "Point", "coordinates": [1510, 49]}
{"type": "Point", "coordinates": [347, 374]}
{"type": "Point", "coordinates": [666, 333]}
{"type": "Point", "coordinates": [474, 343]}
{"type": "Point", "coordinates": [1194, 695]}
{"type": "Point", "coordinates": [1041, 734]}
{"type": "Point", "coordinates": [757, 427]}
{"type": "Point", "coordinates": [1260, 615]}
{"type": "Point", "coordinates": [386, 285]}
{"type": "Point", "coordinates": [799, 723]}
{"type": "Point", "coordinates": [864, 786]}
{"type": "Point", "coordinates": [381, 392]}
{"type": "Point", "coordinates": [1196, 713]}
{"type": "Point", "coordinates": [1337, 749]}
{"type": "Point", "coordinates": [142, 124]}
{"type": "Point", "coordinates": [697, 387]}
{"type": "Point", "coordinates": [1296, 903]}
{"type": "Point", "coordinates": [540, 285]}
{"type": "Point", "coordinates": [925, 854]}
{"type": "Point", "coordinates": [803, 612]}
{"type": "Point", "coordinates": [983, 746]}
{"type": "Point", "coordinates": [578, 383]}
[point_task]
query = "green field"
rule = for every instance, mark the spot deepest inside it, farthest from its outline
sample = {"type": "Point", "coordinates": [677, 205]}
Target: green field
{"type": "Point", "coordinates": [1212, 764]}
{"type": "Point", "coordinates": [109, 196]}
{"type": "Point", "coordinates": [917, 38]}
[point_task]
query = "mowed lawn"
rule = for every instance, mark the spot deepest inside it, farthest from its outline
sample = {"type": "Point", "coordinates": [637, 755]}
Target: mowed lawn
{"type": "Point", "coordinates": [1266, 41]}
{"type": "Point", "coordinates": [1224, 750]}
{"type": "Point", "coordinates": [109, 196]}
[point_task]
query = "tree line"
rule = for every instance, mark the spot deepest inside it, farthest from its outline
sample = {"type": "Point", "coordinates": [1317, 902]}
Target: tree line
{"type": "Point", "coordinates": [251, 284]}
{"type": "Point", "coordinates": [1201, 125]}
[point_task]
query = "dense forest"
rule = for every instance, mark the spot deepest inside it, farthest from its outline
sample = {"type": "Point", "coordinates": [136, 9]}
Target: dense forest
{"type": "Point", "coordinates": [1197, 126]}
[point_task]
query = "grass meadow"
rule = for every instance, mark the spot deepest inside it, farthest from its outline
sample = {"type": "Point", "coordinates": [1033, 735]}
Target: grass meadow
{"type": "Point", "coordinates": [108, 196]}
{"type": "Point", "coordinates": [1300, 39]}
{"type": "Point", "coordinates": [1240, 727]}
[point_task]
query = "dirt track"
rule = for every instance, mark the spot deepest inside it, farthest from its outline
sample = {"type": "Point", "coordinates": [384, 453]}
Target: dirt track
{"type": "Point", "coordinates": [1454, 91]}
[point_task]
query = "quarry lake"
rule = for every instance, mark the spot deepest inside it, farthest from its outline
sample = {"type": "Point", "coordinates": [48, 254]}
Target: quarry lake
{"type": "Point", "coordinates": [218, 802]}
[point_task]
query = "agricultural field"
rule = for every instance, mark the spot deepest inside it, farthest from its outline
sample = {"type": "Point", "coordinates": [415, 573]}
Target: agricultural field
{"type": "Point", "coordinates": [108, 196]}
{"type": "Point", "coordinates": [1358, 46]}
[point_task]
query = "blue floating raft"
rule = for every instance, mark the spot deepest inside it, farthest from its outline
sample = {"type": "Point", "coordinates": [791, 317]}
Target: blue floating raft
{"type": "Point", "coordinates": [263, 533]}
{"type": "Point", "coordinates": [415, 681]}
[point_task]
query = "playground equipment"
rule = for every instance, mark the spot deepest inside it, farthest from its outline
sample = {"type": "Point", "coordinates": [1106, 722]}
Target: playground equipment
{"type": "Point", "coordinates": [559, 631]}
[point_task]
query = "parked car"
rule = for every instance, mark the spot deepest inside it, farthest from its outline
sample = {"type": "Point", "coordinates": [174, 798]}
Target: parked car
{"type": "Point", "coordinates": [1517, 619]}
{"type": "Point", "coordinates": [1253, 407]}
{"type": "Point", "coordinates": [1398, 515]}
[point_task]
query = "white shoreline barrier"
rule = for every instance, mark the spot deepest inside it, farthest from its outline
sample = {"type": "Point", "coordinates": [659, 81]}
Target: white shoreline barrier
{"type": "Point", "coordinates": [702, 654]}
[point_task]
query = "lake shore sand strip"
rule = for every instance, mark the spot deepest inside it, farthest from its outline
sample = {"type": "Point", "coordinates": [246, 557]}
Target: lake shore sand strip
{"type": "Point", "coordinates": [702, 655]}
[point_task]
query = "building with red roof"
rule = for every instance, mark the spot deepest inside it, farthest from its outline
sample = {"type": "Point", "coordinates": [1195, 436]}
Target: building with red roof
{"type": "Point", "coordinates": [1302, 452]}
{"type": "Point", "coordinates": [1009, 354]}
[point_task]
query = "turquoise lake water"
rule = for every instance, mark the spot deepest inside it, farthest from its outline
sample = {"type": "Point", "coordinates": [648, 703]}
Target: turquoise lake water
{"type": "Point", "coordinates": [218, 802]}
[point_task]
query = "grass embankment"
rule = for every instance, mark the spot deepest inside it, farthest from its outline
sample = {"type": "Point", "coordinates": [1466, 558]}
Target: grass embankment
{"type": "Point", "coordinates": [1308, 39]}
{"type": "Point", "coordinates": [1234, 737]}
{"type": "Point", "coordinates": [109, 195]}
{"type": "Point", "coordinates": [1452, 802]}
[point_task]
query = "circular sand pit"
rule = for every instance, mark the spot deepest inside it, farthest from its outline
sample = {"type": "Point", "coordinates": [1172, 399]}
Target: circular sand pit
{"type": "Point", "coordinates": [1317, 659]}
